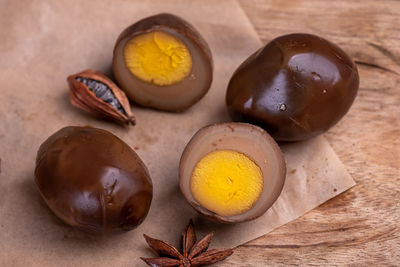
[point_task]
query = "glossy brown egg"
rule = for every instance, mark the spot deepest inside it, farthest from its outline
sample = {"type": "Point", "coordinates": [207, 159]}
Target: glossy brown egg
{"type": "Point", "coordinates": [92, 180]}
{"type": "Point", "coordinates": [177, 96]}
{"type": "Point", "coordinates": [296, 87]}
{"type": "Point", "coordinates": [245, 138]}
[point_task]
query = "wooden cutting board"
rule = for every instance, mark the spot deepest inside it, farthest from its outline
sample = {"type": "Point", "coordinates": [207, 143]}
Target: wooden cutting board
{"type": "Point", "coordinates": [361, 226]}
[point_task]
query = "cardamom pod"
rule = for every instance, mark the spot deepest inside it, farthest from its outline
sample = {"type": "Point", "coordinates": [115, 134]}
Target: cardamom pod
{"type": "Point", "coordinates": [94, 92]}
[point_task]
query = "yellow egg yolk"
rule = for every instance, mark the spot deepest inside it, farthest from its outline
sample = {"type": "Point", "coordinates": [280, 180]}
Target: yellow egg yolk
{"type": "Point", "coordinates": [158, 57]}
{"type": "Point", "coordinates": [226, 182]}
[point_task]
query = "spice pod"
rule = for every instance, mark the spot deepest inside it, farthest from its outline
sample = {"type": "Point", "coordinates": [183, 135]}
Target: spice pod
{"type": "Point", "coordinates": [94, 92]}
{"type": "Point", "coordinates": [232, 172]}
{"type": "Point", "coordinates": [163, 62]}
{"type": "Point", "coordinates": [93, 181]}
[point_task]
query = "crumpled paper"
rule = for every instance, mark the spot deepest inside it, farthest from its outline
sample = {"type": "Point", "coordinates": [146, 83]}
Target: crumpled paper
{"type": "Point", "coordinates": [45, 41]}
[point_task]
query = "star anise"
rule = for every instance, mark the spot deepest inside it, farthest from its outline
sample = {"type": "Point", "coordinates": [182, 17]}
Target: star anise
{"type": "Point", "coordinates": [194, 253]}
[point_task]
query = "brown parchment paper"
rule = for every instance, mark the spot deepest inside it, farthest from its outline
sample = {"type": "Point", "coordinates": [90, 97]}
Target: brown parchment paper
{"type": "Point", "coordinates": [41, 43]}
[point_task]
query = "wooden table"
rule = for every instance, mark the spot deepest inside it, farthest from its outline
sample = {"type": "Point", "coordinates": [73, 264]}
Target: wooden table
{"type": "Point", "coordinates": [361, 226]}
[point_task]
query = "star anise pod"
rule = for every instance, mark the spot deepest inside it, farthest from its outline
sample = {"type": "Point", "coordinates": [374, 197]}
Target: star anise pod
{"type": "Point", "coordinates": [194, 253]}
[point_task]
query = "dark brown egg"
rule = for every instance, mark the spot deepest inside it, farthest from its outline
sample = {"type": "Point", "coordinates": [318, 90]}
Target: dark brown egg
{"type": "Point", "coordinates": [92, 180]}
{"type": "Point", "coordinates": [242, 141]}
{"type": "Point", "coordinates": [163, 62]}
{"type": "Point", "coordinates": [296, 87]}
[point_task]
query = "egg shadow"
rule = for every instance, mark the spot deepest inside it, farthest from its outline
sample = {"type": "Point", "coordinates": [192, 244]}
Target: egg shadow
{"type": "Point", "coordinates": [222, 114]}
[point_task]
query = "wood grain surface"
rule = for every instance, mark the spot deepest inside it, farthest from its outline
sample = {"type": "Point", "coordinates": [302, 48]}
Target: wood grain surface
{"type": "Point", "coordinates": [360, 227]}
